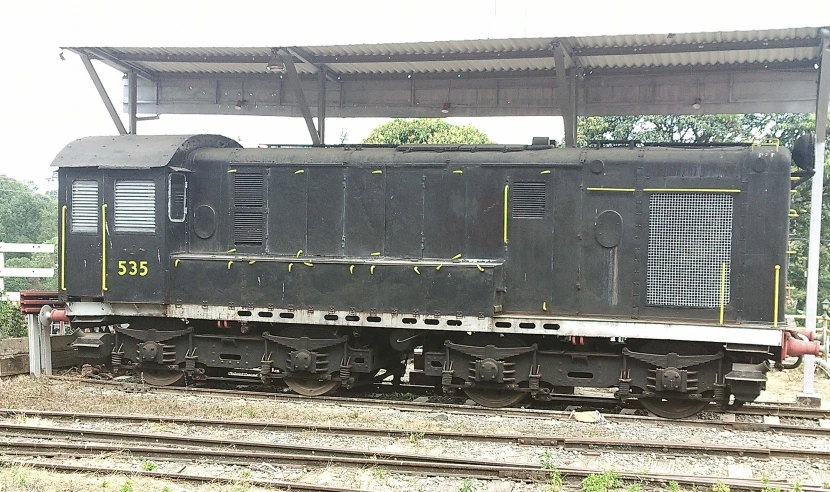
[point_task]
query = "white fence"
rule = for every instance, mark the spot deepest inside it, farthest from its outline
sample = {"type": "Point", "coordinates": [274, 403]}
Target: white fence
{"type": "Point", "coordinates": [22, 272]}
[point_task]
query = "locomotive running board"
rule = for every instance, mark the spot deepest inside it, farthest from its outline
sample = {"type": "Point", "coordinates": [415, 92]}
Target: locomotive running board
{"type": "Point", "coordinates": [553, 326]}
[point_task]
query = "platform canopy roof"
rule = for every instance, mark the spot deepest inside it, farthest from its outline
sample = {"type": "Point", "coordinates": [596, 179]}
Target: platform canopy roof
{"type": "Point", "coordinates": [674, 73]}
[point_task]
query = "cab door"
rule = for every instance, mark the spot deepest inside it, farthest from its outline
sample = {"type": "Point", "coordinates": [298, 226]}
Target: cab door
{"type": "Point", "coordinates": [81, 245]}
{"type": "Point", "coordinates": [134, 255]}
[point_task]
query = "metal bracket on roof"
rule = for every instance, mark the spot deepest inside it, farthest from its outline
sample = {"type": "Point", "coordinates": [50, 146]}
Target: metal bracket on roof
{"type": "Point", "coordinates": [294, 80]}
{"type": "Point", "coordinates": [304, 57]}
{"type": "Point", "coordinates": [103, 93]}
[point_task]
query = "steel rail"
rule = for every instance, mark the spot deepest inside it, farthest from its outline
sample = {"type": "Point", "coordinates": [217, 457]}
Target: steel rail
{"type": "Point", "coordinates": [757, 409]}
{"type": "Point", "coordinates": [343, 429]}
{"type": "Point", "coordinates": [523, 475]}
{"type": "Point", "coordinates": [567, 442]}
{"type": "Point", "coordinates": [185, 477]}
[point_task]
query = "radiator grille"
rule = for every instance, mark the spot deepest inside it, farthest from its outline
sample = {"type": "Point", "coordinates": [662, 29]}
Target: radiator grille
{"type": "Point", "coordinates": [135, 206]}
{"type": "Point", "coordinates": [528, 200]}
{"type": "Point", "coordinates": [249, 209]}
{"type": "Point", "coordinates": [689, 239]}
{"type": "Point", "coordinates": [84, 205]}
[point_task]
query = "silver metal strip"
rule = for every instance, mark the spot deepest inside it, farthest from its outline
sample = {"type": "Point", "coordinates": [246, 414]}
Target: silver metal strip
{"type": "Point", "coordinates": [553, 326]}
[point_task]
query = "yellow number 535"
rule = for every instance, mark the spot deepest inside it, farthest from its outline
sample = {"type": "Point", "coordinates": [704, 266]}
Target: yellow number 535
{"type": "Point", "coordinates": [133, 268]}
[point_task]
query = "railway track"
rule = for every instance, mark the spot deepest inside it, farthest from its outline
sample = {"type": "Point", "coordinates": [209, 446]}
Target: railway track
{"type": "Point", "coordinates": [14, 430]}
{"type": "Point", "coordinates": [63, 443]}
{"type": "Point", "coordinates": [755, 409]}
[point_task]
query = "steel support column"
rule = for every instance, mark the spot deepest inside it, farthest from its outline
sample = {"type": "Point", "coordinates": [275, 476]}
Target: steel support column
{"type": "Point", "coordinates": [294, 81]}
{"type": "Point", "coordinates": [132, 101]}
{"type": "Point", "coordinates": [321, 105]}
{"type": "Point", "coordinates": [822, 102]}
{"type": "Point", "coordinates": [563, 95]}
{"type": "Point", "coordinates": [103, 93]}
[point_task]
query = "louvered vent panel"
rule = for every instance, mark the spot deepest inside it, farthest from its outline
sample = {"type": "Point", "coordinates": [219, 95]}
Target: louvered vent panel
{"type": "Point", "coordinates": [249, 190]}
{"type": "Point", "coordinates": [689, 241]}
{"type": "Point", "coordinates": [249, 209]}
{"type": "Point", "coordinates": [84, 206]}
{"type": "Point", "coordinates": [528, 200]}
{"type": "Point", "coordinates": [248, 227]}
{"type": "Point", "coordinates": [135, 206]}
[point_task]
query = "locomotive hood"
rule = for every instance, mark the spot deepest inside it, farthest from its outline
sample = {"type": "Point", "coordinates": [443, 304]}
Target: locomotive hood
{"type": "Point", "coordinates": [135, 151]}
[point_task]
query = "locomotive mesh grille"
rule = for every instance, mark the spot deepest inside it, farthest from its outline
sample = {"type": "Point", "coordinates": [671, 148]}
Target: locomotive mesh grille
{"type": "Point", "coordinates": [528, 200]}
{"type": "Point", "coordinates": [135, 206]}
{"type": "Point", "coordinates": [249, 213]}
{"type": "Point", "coordinates": [689, 239]}
{"type": "Point", "coordinates": [84, 206]}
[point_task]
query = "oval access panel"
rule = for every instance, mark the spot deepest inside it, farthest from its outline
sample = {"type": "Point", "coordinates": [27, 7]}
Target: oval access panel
{"type": "Point", "coordinates": [609, 228]}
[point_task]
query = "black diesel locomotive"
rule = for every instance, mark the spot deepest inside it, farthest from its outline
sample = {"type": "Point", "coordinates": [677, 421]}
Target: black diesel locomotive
{"type": "Point", "coordinates": [513, 270]}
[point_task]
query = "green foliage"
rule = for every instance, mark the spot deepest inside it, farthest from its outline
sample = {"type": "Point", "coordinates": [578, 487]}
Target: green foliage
{"type": "Point", "coordinates": [635, 487]}
{"type": "Point", "coordinates": [27, 216]}
{"type": "Point", "coordinates": [148, 466]}
{"type": "Point", "coordinates": [467, 486]}
{"type": "Point", "coordinates": [127, 487]}
{"type": "Point", "coordinates": [425, 131]}
{"type": "Point", "coordinates": [786, 127]}
{"type": "Point", "coordinates": [555, 481]}
{"type": "Point", "coordinates": [720, 487]}
{"type": "Point", "coordinates": [12, 323]}
{"type": "Point", "coordinates": [601, 483]}
{"type": "Point", "coordinates": [673, 486]}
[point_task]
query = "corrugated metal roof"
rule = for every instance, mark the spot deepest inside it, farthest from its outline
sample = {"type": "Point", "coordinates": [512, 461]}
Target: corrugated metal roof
{"type": "Point", "coordinates": [704, 49]}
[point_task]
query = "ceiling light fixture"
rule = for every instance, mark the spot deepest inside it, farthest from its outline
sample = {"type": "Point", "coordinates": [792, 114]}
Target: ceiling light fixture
{"type": "Point", "coordinates": [275, 64]}
{"type": "Point", "coordinates": [696, 104]}
{"type": "Point", "coordinates": [240, 103]}
{"type": "Point", "coordinates": [445, 108]}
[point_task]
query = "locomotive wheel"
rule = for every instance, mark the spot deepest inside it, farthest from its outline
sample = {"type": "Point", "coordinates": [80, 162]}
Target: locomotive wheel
{"type": "Point", "coordinates": [312, 387]}
{"type": "Point", "coordinates": [673, 409]}
{"type": "Point", "coordinates": [158, 376]}
{"type": "Point", "coordinates": [494, 398]}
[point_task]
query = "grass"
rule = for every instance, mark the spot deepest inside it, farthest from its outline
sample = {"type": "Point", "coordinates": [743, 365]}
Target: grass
{"type": "Point", "coordinates": [673, 486]}
{"type": "Point", "coordinates": [720, 487]}
{"type": "Point", "coordinates": [467, 486]}
{"type": "Point", "coordinates": [601, 483]}
{"type": "Point", "coordinates": [415, 437]}
{"type": "Point", "coordinates": [148, 466]}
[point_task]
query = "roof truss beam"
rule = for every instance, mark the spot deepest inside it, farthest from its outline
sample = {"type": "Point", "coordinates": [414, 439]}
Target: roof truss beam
{"type": "Point", "coordinates": [102, 92]}
{"type": "Point", "coordinates": [296, 85]}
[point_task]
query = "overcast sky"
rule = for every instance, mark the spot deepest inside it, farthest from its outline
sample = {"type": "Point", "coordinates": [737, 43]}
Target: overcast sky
{"type": "Point", "coordinates": [50, 103]}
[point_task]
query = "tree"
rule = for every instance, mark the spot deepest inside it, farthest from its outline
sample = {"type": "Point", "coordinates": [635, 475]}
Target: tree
{"type": "Point", "coordinates": [425, 131]}
{"type": "Point", "coordinates": [12, 323]}
{"type": "Point", "coordinates": [786, 127]}
{"type": "Point", "coordinates": [27, 216]}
